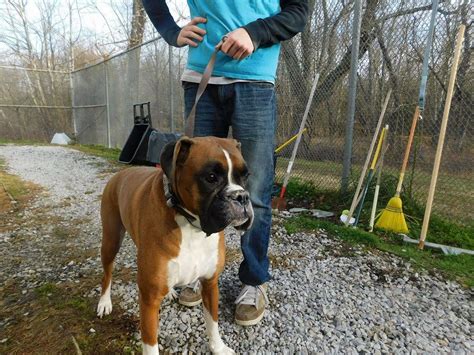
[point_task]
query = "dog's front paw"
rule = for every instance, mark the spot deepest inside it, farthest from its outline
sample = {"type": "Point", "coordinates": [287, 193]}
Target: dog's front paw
{"type": "Point", "coordinates": [223, 350]}
{"type": "Point", "coordinates": [104, 307]}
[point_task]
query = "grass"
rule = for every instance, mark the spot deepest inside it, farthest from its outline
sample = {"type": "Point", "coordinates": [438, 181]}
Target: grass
{"type": "Point", "coordinates": [459, 267]}
{"type": "Point", "coordinates": [46, 290]}
{"type": "Point", "coordinates": [14, 192]}
{"type": "Point", "coordinates": [442, 230]}
{"type": "Point", "coordinates": [17, 188]}
{"type": "Point", "coordinates": [453, 197]}
{"type": "Point", "coordinates": [52, 315]}
{"type": "Point", "coordinates": [110, 154]}
{"type": "Point", "coordinates": [22, 142]}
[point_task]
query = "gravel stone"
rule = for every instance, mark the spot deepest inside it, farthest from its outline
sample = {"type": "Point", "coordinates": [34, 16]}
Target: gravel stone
{"type": "Point", "coordinates": [324, 298]}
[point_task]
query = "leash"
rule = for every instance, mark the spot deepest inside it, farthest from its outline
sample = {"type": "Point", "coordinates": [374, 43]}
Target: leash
{"type": "Point", "coordinates": [189, 129]}
{"type": "Point", "coordinates": [172, 200]}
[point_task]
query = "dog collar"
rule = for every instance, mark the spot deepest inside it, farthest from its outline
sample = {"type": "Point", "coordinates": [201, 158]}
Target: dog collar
{"type": "Point", "coordinates": [172, 201]}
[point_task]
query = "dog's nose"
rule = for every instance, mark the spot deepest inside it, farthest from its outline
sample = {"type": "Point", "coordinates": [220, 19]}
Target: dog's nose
{"type": "Point", "coordinates": [240, 196]}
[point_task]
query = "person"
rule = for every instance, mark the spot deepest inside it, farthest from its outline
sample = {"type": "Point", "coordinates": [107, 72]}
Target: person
{"type": "Point", "coordinates": [241, 95]}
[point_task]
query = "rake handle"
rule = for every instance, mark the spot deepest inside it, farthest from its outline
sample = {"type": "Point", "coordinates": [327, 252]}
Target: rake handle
{"type": "Point", "coordinates": [379, 179]}
{"type": "Point", "coordinates": [289, 141]}
{"type": "Point", "coordinates": [416, 116]}
{"type": "Point", "coordinates": [370, 176]}
{"type": "Point", "coordinates": [442, 133]}
{"type": "Point", "coordinates": [364, 194]}
{"type": "Point", "coordinates": [300, 132]}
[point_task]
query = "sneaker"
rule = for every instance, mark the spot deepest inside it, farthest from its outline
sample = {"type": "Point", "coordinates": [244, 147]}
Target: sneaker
{"type": "Point", "coordinates": [190, 296]}
{"type": "Point", "coordinates": [251, 305]}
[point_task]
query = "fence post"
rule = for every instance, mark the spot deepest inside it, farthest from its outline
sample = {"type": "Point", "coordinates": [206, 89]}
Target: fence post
{"type": "Point", "coordinates": [170, 85]}
{"type": "Point", "coordinates": [109, 141]}
{"type": "Point", "coordinates": [346, 168]}
{"type": "Point", "coordinates": [71, 88]}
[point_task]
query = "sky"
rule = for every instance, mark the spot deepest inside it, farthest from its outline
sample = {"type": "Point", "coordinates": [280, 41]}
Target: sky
{"type": "Point", "coordinates": [93, 22]}
{"type": "Point", "coordinates": [89, 19]}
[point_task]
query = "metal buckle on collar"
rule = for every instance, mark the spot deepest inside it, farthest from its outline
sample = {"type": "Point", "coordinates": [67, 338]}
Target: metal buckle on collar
{"type": "Point", "coordinates": [172, 201]}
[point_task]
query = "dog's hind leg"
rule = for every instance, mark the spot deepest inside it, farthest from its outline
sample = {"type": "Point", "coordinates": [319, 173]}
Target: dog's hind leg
{"type": "Point", "coordinates": [112, 236]}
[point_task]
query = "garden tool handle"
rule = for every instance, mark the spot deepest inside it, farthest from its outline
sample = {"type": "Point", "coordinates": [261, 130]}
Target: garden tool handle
{"type": "Point", "coordinates": [377, 150]}
{"type": "Point", "coordinates": [416, 116]}
{"type": "Point", "coordinates": [370, 176]}
{"type": "Point", "coordinates": [367, 160]}
{"type": "Point", "coordinates": [442, 134]}
{"type": "Point", "coordinates": [421, 96]}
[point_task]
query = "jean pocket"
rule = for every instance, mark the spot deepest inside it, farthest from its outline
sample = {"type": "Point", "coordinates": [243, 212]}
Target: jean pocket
{"type": "Point", "coordinates": [262, 84]}
{"type": "Point", "coordinates": [188, 85]}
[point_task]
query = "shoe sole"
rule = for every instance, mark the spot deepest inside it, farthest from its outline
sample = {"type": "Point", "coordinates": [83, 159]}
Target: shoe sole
{"type": "Point", "coordinates": [190, 304]}
{"type": "Point", "coordinates": [247, 323]}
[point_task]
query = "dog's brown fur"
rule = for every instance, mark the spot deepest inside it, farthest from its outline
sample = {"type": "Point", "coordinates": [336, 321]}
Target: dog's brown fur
{"type": "Point", "coordinates": [134, 201]}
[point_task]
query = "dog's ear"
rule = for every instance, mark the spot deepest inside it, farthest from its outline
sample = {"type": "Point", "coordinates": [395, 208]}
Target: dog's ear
{"type": "Point", "coordinates": [174, 154]}
{"type": "Point", "coordinates": [166, 158]}
{"type": "Point", "coordinates": [181, 150]}
{"type": "Point", "coordinates": [239, 146]}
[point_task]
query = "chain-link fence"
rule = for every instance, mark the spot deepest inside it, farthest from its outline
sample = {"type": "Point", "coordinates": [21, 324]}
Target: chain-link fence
{"type": "Point", "coordinates": [107, 91]}
{"type": "Point", "coordinates": [34, 103]}
{"type": "Point", "coordinates": [392, 38]}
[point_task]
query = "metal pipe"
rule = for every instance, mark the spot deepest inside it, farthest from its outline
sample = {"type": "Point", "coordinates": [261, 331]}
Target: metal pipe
{"type": "Point", "coordinates": [37, 106]}
{"type": "Point", "coordinates": [71, 87]}
{"type": "Point", "coordinates": [346, 168]}
{"type": "Point", "coordinates": [53, 107]}
{"type": "Point", "coordinates": [119, 54]}
{"type": "Point", "coordinates": [32, 69]}
{"type": "Point", "coordinates": [90, 106]}
{"type": "Point", "coordinates": [109, 142]}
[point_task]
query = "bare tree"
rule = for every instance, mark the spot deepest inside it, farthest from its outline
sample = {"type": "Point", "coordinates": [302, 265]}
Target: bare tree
{"type": "Point", "coordinates": [138, 24]}
{"type": "Point", "coordinates": [42, 45]}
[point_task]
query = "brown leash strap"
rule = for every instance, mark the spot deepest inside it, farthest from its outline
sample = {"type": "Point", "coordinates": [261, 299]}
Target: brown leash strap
{"type": "Point", "coordinates": [189, 129]}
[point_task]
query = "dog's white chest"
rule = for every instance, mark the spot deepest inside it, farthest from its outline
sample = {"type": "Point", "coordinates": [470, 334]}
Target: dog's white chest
{"type": "Point", "coordinates": [197, 256]}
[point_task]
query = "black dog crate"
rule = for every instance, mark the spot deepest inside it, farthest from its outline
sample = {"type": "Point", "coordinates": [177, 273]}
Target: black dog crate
{"type": "Point", "coordinates": [136, 146]}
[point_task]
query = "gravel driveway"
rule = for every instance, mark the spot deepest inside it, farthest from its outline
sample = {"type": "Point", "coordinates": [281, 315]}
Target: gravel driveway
{"type": "Point", "coordinates": [325, 296]}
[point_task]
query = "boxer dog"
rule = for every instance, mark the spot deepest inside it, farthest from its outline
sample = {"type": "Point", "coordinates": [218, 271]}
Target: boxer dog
{"type": "Point", "coordinates": [176, 216]}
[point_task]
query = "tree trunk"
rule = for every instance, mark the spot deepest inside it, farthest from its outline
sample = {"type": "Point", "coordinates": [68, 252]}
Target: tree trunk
{"type": "Point", "coordinates": [135, 39]}
{"type": "Point", "coordinates": [138, 24]}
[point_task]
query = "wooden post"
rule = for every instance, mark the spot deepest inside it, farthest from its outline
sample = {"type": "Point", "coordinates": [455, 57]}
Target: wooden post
{"type": "Point", "coordinates": [442, 134]}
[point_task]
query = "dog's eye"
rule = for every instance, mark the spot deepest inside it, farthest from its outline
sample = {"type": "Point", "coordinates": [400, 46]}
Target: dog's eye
{"type": "Point", "coordinates": [211, 178]}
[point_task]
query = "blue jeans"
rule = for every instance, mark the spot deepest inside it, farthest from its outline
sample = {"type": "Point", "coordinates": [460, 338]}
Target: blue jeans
{"type": "Point", "coordinates": [250, 108]}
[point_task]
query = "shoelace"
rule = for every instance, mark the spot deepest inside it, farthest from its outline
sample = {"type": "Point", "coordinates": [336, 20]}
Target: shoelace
{"type": "Point", "coordinates": [194, 286]}
{"type": "Point", "coordinates": [249, 295]}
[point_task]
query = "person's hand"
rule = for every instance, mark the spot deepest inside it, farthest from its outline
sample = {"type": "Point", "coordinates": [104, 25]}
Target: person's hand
{"type": "Point", "coordinates": [238, 44]}
{"type": "Point", "coordinates": [191, 33]}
